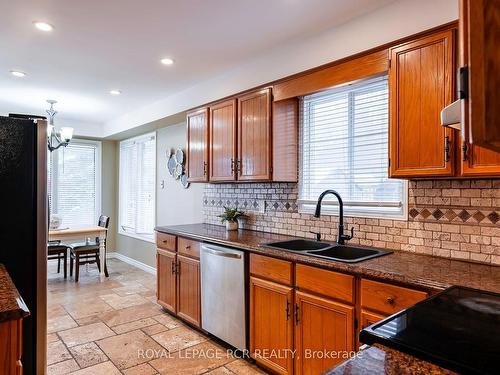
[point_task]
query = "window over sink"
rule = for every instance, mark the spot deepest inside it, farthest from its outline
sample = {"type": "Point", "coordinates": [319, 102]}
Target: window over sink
{"type": "Point", "coordinates": [344, 146]}
{"type": "Point", "coordinates": [137, 183]}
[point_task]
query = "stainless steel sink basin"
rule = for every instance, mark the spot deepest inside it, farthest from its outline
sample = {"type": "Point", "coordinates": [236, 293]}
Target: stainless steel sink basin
{"type": "Point", "coordinates": [326, 250]}
{"type": "Point", "coordinates": [299, 245]}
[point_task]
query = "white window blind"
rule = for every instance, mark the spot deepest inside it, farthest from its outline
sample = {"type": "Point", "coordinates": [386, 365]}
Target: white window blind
{"type": "Point", "coordinates": [344, 146]}
{"type": "Point", "coordinates": [74, 183]}
{"type": "Point", "coordinates": [137, 186]}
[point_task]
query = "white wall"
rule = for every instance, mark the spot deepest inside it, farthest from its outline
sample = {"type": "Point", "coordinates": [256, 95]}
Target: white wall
{"type": "Point", "coordinates": [396, 20]}
{"type": "Point", "coordinates": [175, 205]}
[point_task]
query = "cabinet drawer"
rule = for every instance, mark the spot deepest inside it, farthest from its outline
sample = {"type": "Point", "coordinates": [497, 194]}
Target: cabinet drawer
{"type": "Point", "coordinates": [331, 284]}
{"type": "Point", "coordinates": [388, 298]}
{"type": "Point", "coordinates": [272, 269]}
{"type": "Point", "coordinates": [166, 241]}
{"type": "Point", "coordinates": [188, 247]}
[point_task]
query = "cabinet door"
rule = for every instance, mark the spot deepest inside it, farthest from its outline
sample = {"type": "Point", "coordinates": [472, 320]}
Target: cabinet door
{"type": "Point", "coordinates": [420, 86]}
{"type": "Point", "coordinates": [479, 161]}
{"type": "Point", "coordinates": [166, 279]}
{"type": "Point", "coordinates": [223, 141]}
{"type": "Point", "coordinates": [271, 325]}
{"type": "Point", "coordinates": [254, 136]}
{"type": "Point", "coordinates": [368, 318]}
{"type": "Point", "coordinates": [322, 327]}
{"type": "Point", "coordinates": [480, 38]}
{"type": "Point", "coordinates": [188, 289]}
{"type": "Point", "coordinates": [197, 146]}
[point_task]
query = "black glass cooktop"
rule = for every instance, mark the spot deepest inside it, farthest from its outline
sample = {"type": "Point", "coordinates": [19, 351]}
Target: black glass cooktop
{"type": "Point", "coordinates": [458, 328]}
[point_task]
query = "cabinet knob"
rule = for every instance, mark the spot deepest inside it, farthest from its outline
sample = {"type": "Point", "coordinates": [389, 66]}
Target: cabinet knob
{"type": "Point", "coordinates": [391, 300]}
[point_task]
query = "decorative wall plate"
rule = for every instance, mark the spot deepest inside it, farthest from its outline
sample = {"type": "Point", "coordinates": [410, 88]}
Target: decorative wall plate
{"type": "Point", "coordinates": [179, 156]}
{"type": "Point", "coordinates": [171, 164]}
{"type": "Point", "coordinates": [178, 171]}
{"type": "Point", "coordinates": [184, 181]}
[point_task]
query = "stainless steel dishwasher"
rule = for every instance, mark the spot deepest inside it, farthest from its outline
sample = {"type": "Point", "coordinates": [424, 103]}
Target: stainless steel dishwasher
{"type": "Point", "coordinates": [223, 294]}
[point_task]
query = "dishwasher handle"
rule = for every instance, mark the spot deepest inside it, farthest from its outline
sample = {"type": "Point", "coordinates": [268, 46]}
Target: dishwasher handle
{"type": "Point", "coordinates": [221, 253]}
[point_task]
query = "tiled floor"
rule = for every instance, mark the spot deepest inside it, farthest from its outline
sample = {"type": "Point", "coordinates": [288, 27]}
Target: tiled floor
{"type": "Point", "coordinates": [115, 327]}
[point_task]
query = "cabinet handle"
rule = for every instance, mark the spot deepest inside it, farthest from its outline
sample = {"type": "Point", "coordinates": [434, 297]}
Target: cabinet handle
{"type": "Point", "coordinates": [204, 168]}
{"type": "Point", "coordinates": [297, 314]}
{"type": "Point", "coordinates": [287, 309]}
{"type": "Point", "coordinates": [232, 166]}
{"type": "Point", "coordinates": [173, 267]}
{"type": "Point", "coordinates": [446, 149]}
{"type": "Point", "coordinates": [464, 151]}
{"type": "Point", "coordinates": [177, 268]}
{"type": "Point", "coordinates": [239, 166]}
{"type": "Point", "coordinates": [391, 300]}
{"type": "Point", "coordinates": [187, 247]}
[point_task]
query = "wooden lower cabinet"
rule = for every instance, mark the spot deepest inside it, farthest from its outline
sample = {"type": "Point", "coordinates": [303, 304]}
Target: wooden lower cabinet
{"type": "Point", "coordinates": [271, 325]}
{"type": "Point", "coordinates": [10, 347]}
{"type": "Point", "coordinates": [188, 290]}
{"type": "Point", "coordinates": [324, 333]}
{"type": "Point", "coordinates": [369, 317]}
{"type": "Point", "coordinates": [166, 276]}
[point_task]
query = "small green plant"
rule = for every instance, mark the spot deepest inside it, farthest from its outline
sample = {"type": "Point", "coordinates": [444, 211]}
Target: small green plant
{"type": "Point", "coordinates": [231, 214]}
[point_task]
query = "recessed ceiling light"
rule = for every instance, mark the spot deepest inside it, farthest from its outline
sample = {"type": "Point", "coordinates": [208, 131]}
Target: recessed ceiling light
{"type": "Point", "coordinates": [44, 26]}
{"type": "Point", "coordinates": [167, 61]}
{"type": "Point", "coordinates": [17, 73]}
{"type": "Point", "coordinates": [115, 92]}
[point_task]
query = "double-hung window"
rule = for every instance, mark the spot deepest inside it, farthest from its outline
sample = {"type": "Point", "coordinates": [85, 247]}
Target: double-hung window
{"type": "Point", "coordinates": [137, 186]}
{"type": "Point", "coordinates": [74, 183]}
{"type": "Point", "coordinates": [344, 146]}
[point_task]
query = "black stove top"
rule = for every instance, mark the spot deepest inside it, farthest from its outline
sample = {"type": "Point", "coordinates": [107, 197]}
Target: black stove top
{"type": "Point", "coordinates": [458, 329]}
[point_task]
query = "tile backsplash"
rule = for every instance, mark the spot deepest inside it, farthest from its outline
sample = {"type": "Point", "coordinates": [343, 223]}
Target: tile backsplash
{"type": "Point", "coordinates": [448, 218]}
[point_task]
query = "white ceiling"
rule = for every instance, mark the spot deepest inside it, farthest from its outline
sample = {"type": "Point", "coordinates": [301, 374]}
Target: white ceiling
{"type": "Point", "coordinates": [100, 45]}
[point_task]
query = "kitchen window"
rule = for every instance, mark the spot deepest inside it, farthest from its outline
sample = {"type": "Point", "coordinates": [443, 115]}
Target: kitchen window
{"type": "Point", "coordinates": [344, 146]}
{"type": "Point", "coordinates": [137, 183]}
{"type": "Point", "coordinates": [74, 183]}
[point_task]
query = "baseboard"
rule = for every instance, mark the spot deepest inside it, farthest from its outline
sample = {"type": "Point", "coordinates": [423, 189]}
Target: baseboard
{"type": "Point", "coordinates": [132, 262]}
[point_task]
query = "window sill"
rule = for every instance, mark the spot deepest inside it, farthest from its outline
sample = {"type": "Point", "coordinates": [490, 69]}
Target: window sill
{"type": "Point", "coordinates": [328, 211]}
{"type": "Point", "coordinates": [137, 237]}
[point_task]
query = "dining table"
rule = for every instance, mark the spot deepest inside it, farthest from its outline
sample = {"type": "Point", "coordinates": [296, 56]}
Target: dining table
{"type": "Point", "coordinates": [65, 234]}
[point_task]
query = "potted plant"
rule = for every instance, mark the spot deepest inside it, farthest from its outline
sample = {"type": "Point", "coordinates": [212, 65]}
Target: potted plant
{"type": "Point", "coordinates": [230, 217]}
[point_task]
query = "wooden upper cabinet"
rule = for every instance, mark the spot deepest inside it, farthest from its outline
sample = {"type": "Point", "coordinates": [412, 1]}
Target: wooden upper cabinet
{"type": "Point", "coordinates": [421, 78]}
{"type": "Point", "coordinates": [478, 161]}
{"type": "Point", "coordinates": [322, 325]}
{"type": "Point", "coordinates": [479, 41]}
{"type": "Point", "coordinates": [223, 141]}
{"type": "Point", "coordinates": [197, 146]}
{"type": "Point", "coordinates": [254, 136]}
{"type": "Point", "coordinates": [271, 325]}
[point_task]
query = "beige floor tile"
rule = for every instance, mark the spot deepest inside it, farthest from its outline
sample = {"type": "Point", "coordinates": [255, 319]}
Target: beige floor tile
{"type": "Point", "coordinates": [87, 308]}
{"type": "Point", "coordinates": [168, 320]}
{"type": "Point", "coordinates": [88, 320]}
{"type": "Point", "coordinates": [57, 352]}
{"type": "Point", "coordinates": [144, 369]}
{"type": "Point", "coordinates": [51, 337]}
{"type": "Point", "coordinates": [220, 371]}
{"type": "Point", "coordinates": [132, 326]}
{"type": "Point", "coordinates": [194, 360]}
{"type": "Point", "coordinates": [114, 318]}
{"type": "Point", "coordinates": [128, 350]}
{"type": "Point", "coordinates": [105, 368]}
{"type": "Point", "coordinates": [62, 368]}
{"type": "Point", "coordinates": [88, 354]}
{"type": "Point", "coordinates": [120, 302]}
{"type": "Point", "coordinates": [55, 310]}
{"type": "Point", "coordinates": [154, 329]}
{"type": "Point", "coordinates": [242, 367]}
{"type": "Point", "coordinates": [84, 334]}
{"type": "Point", "coordinates": [60, 323]}
{"type": "Point", "coordinates": [179, 338]}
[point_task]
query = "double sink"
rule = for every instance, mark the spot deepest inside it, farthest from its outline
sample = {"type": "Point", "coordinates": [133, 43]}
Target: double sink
{"type": "Point", "coordinates": [327, 250]}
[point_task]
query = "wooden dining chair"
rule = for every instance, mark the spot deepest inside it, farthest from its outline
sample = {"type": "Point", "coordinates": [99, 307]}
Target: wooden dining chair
{"type": "Point", "coordinates": [59, 251]}
{"type": "Point", "coordinates": [88, 252]}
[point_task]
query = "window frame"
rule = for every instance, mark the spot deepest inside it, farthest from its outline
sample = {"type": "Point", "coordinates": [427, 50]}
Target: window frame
{"type": "Point", "coordinates": [121, 230]}
{"type": "Point", "coordinates": [54, 158]}
{"type": "Point", "coordinates": [351, 208]}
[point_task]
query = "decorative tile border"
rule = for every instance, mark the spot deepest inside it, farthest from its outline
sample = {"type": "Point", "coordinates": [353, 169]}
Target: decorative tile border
{"type": "Point", "coordinates": [456, 215]}
{"type": "Point", "coordinates": [252, 204]}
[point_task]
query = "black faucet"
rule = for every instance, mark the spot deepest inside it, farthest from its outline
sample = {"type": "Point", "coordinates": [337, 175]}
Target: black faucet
{"type": "Point", "coordinates": [341, 238]}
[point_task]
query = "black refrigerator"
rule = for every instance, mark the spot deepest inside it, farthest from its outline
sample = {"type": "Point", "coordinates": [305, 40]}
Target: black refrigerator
{"type": "Point", "coordinates": [23, 227]}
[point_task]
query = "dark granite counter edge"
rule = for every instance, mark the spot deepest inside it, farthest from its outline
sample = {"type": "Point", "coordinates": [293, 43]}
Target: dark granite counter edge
{"type": "Point", "coordinates": [351, 268]}
{"type": "Point", "coordinates": [12, 306]}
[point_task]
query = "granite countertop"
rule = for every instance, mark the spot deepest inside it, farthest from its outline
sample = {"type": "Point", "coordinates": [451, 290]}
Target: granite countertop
{"type": "Point", "coordinates": [12, 305]}
{"type": "Point", "coordinates": [421, 271]}
{"type": "Point", "coordinates": [379, 359]}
